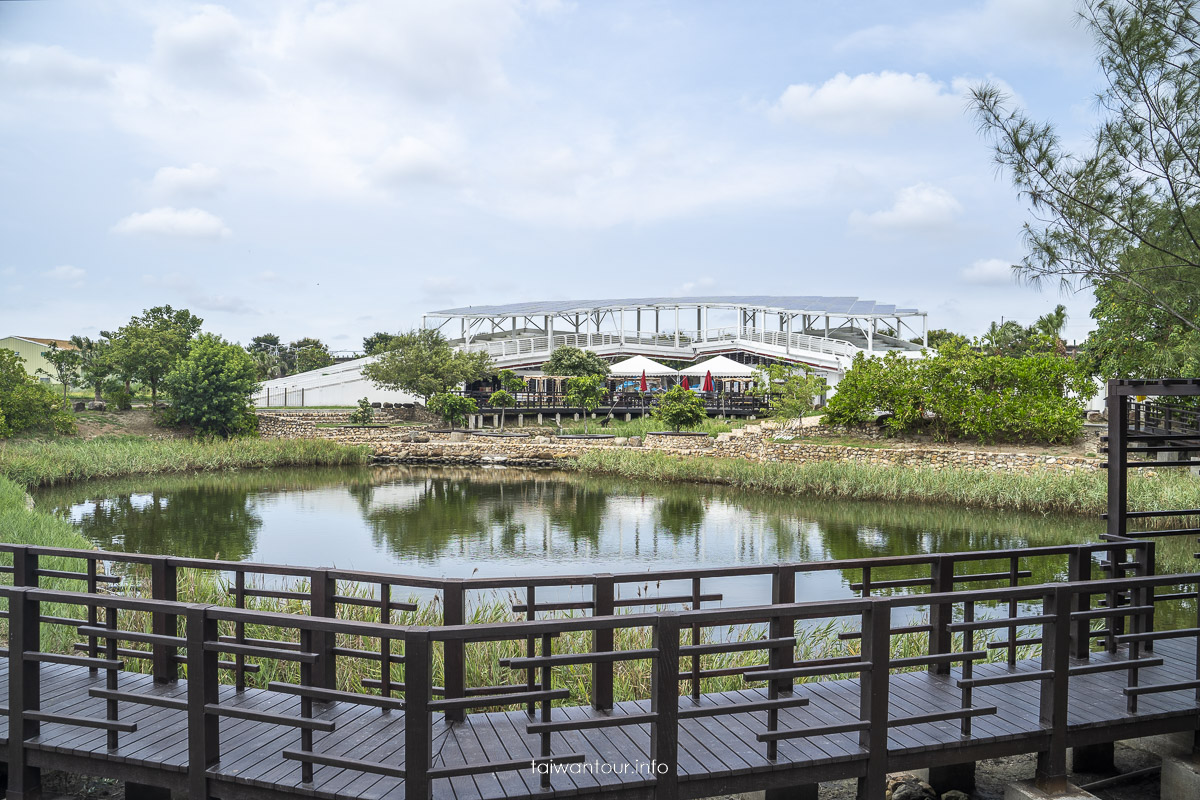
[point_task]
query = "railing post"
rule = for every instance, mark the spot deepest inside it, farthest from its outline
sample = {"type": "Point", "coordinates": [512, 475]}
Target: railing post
{"type": "Point", "coordinates": [603, 599]}
{"type": "Point", "coordinates": [873, 695]}
{"type": "Point", "coordinates": [1145, 568]}
{"type": "Point", "coordinates": [783, 592]}
{"type": "Point", "coordinates": [25, 567]}
{"type": "Point", "coordinates": [941, 641]}
{"type": "Point", "coordinates": [1051, 776]}
{"type": "Point", "coordinates": [204, 741]}
{"type": "Point", "coordinates": [664, 701]}
{"type": "Point", "coordinates": [454, 668]}
{"type": "Point", "coordinates": [322, 588]}
{"type": "Point", "coordinates": [24, 691]}
{"type": "Point", "coordinates": [1118, 455]}
{"type": "Point", "coordinates": [418, 733]}
{"type": "Point", "coordinates": [164, 586]}
{"type": "Point", "coordinates": [1079, 570]}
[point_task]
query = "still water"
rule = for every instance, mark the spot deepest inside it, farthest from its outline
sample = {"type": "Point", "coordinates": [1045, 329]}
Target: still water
{"type": "Point", "coordinates": [512, 522]}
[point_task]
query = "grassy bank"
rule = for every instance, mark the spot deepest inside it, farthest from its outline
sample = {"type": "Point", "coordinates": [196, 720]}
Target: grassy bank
{"type": "Point", "coordinates": [45, 463]}
{"type": "Point", "coordinates": [1041, 491]}
{"type": "Point", "coordinates": [640, 426]}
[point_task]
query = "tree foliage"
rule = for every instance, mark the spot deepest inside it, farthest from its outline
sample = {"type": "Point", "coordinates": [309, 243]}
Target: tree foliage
{"type": "Point", "coordinates": [962, 393]}
{"type": "Point", "coordinates": [310, 354]}
{"type": "Point", "coordinates": [27, 404]}
{"type": "Point", "coordinates": [66, 366]}
{"type": "Point", "coordinates": [453, 408]}
{"type": "Point", "coordinates": [587, 392]}
{"type": "Point", "coordinates": [210, 389]}
{"type": "Point", "coordinates": [937, 337]}
{"type": "Point", "coordinates": [150, 345]}
{"type": "Point", "coordinates": [96, 363]}
{"type": "Point", "coordinates": [378, 342]}
{"type": "Point", "coordinates": [680, 408]}
{"type": "Point", "coordinates": [424, 364]}
{"type": "Point", "coordinates": [364, 414]}
{"type": "Point", "coordinates": [790, 389]}
{"type": "Point", "coordinates": [1137, 188]}
{"type": "Point", "coordinates": [567, 361]}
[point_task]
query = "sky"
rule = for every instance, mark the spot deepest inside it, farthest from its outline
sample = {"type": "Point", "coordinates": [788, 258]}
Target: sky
{"type": "Point", "coordinates": [332, 169]}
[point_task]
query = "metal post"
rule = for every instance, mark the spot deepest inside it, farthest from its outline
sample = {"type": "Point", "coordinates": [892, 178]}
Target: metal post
{"type": "Point", "coordinates": [602, 642]}
{"type": "Point", "coordinates": [204, 732]}
{"type": "Point", "coordinates": [418, 734]}
{"type": "Point", "coordinates": [24, 693]}
{"type": "Point", "coordinates": [164, 586]}
{"type": "Point", "coordinates": [664, 701]}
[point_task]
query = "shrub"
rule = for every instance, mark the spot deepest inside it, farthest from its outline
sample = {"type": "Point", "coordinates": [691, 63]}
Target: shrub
{"type": "Point", "coordinates": [680, 408]}
{"type": "Point", "coordinates": [119, 398]}
{"type": "Point", "coordinates": [26, 404]}
{"type": "Point", "coordinates": [453, 408]}
{"type": "Point", "coordinates": [961, 393]}
{"type": "Point", "coordinates": [210, 389]}
{"type": "Point", "coordinates": [364, 414]}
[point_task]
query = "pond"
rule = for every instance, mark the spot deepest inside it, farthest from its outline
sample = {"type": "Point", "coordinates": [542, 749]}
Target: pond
{"type": "Point", "coordinates": [501, 522]}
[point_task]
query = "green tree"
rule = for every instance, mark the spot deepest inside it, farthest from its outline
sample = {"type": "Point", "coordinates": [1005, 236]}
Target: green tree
{"type": "Point", "coordinates": [364, 414]}
{"type": "Point", "coordinates": [96, 364]}
{"type": "Point", "coordinates": [272, 355]}
{"type": "Point", "coordinates": [587, 392]}
{"type": "Point", "coordinates": [210, 389]}
{"type": "Point", "coordinates": [453, 408]}
{"type": "Point", "coordinates": [27, 404]}
{"type": "Point", "coordinates": [66, 366]}
{"type": "Point", "coordinates": [424, 364]}
{"type": "Point", "coordinates": [680, 408]}
{"type": "Point", "coordinates": [1137, 187]}
{"type": "Point", "coordinates": [378, 342]}
{"type": "Point", "coordinates": [791, 389]}
{"type": "Point", "coordinates": [310, 354]}
{"type": "Point", "coordinates": [501, 399]}
{"type": "Point", "coordinates": [267, 364]}
{"type": "Point", "coordinates": [150, 345]}
{"type": "Point", "coordinates": [567, 361]}
{"type": "Point", "coordinates": [1009, 338]}
{"type": "Point", "coordinates": [939, 337]}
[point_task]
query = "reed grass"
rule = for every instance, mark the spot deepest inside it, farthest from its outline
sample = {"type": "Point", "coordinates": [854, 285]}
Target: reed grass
{"type": "Point", "coordinates": [46, 463]}
{"type": "Point", "coordinates": [1038, 490]}
{"type": "Point", "coordinates": [643, 425]}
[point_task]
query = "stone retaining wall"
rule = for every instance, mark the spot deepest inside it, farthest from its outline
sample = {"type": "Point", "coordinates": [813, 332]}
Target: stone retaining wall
{"type": "Point", "coordinates": [422, 446]}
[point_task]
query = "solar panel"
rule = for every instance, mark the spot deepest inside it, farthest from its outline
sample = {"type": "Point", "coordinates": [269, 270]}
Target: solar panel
{"type": "Point", "coordinates": [808, 304]}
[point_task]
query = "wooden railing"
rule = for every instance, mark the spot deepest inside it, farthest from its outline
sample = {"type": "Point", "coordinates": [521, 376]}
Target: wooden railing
{"type": "Point", "coordinates": [198, 643]}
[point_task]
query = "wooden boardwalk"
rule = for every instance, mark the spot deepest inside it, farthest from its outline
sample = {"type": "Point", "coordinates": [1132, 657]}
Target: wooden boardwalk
{"type": "Point", "coordinates": [716, 754]}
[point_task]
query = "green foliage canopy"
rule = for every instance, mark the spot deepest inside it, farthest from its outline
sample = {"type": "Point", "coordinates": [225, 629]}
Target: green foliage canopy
{"type": "Point", "coordinates": [27, 404]}
{"type": "Point", "coordinates": [378, 342]}
{"type": "Point", "coordinates": [587, 392]}
{"type": "Point", "coordinates": [423, 363]}
{"type": "Point", "coordinates": [680, 408]}
{"type": "Point", "coordinates": [149, 346]}
{"type": "Point", "coordinates": [66, 365]}
{"type": "Point", "coordinates": [962, 393]}
{"type": "Point", "coordinates": [96, 364]}
{"type": "Point", "coordinates": [791, 389]}
{"type": "Point", "coordinates": [210, 389]}
{"type": "Point", "coordinates": [567, 361]}
{"type": "Point", "coordinates": [453, 408]}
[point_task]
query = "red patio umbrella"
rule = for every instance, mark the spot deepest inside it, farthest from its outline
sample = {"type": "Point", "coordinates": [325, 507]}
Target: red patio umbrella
{"type": "Point", "coordinates": [642, 386]}
{"type": "Point", "coordinates": [685, 383]}
{"type": "Point", "coordinates": [708, 381]}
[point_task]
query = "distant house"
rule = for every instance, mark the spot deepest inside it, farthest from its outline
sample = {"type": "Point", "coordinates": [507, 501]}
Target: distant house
{"type": "Point", "coordinates": [31, 348]}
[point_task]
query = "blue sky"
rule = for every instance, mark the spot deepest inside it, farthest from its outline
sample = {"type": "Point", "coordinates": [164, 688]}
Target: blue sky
{"type": "Point", "coordinates": [331, 169]}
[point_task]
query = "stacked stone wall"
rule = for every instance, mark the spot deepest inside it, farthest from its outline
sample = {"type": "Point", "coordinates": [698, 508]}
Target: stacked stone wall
{"type": "Point", "coordinates": [759, 444]}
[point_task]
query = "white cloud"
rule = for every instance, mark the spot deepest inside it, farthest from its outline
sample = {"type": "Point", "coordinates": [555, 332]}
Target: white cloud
{"type": "Point", "coordinates": [40, 67]}
{"type": "Point", "coordinates": [989, 272]}
{"type": "Point", "coordinates": [870, 102]}
{"type": "Point", "coordinates": [1044, 30]}
{"type": "Point", "coordinates": [704, 284]}
{"type": "Point", "coordinates": [412, 159]}
{"type": "Point", "coordinates": [167, 221]}
{"type": "Point", "coordinates": [920, 206]}
{"type": "Point", "coordinates": [66, 274]}
{"type": "Point", "coordinates": [194, 179]}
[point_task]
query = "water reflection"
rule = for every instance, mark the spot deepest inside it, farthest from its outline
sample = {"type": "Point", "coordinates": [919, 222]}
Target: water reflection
{"type": "Point", "coordinates": [509, 522]}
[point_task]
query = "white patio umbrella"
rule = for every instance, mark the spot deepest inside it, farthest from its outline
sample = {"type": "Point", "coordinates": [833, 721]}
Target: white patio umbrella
{"type": "Point", "coordinates": [634, 367]}
{"type": "Point", "coordinates": [720, 367]}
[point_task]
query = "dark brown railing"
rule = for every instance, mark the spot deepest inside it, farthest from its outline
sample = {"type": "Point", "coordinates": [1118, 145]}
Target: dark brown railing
{"type": "Point", "coordinates": [198, 644]}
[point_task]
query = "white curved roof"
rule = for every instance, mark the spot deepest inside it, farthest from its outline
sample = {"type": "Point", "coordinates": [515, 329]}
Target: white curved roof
{"type": "Point", "coordinates": [806, 304]}
{"type": "Point", "coordinates": [721, 367]}
{"type": "Point", "coordinates": [637, 365]}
